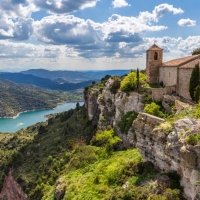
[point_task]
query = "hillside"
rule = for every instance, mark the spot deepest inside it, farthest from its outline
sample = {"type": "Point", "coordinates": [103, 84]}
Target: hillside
{"type": "Point", "coordinates": [49, 162]}
{"type": "Point", "coordinates": [15, 98]}
{"type": "Point", "coordinates": [74, 76]}
{"type": "Point", "coordinates": [43, 82]}
{"type": "Point", "coordinates": [89, 152]}
{"type": "Point", "coordinates": [68, 76]}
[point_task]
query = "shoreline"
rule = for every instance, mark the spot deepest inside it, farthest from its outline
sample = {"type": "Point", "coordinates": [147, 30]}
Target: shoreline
{"type": "Point", "coordinates": [14, 117]}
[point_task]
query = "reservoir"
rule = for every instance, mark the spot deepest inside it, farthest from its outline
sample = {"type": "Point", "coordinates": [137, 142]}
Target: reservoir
{"type": "Point", "coordinates": [32, 117]}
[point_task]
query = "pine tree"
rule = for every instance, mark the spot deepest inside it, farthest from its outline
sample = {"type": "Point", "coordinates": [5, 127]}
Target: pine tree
{"type": "Point", "coordinates": [194, 81]}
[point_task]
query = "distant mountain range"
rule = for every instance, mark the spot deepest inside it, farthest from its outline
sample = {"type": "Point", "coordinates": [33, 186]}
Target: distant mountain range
{"type": "Point", "coordinates": [59, 80]}
{"type": "Point", "coordinates": [74, 76]}
{"type": "Point", "coordinates": [43, 82]}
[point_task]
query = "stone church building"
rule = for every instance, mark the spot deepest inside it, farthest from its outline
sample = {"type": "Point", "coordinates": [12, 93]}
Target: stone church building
{"type": "Point", "coordinates": [174, 73]}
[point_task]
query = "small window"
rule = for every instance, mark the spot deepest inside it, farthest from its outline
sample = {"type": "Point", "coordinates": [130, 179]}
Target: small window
{"type": "Point", "coordinates": [155, 56]}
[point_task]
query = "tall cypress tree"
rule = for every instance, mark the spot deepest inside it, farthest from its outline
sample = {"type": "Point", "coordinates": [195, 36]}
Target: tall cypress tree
{"type": "Point", "coordinates": [194, 81]}
{"type": "Point", "coordinates": [138, 78]}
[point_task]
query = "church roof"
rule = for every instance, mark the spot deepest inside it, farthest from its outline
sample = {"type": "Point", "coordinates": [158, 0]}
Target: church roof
{"type": "Point", "coordinates": [154, 47]}
{"type": "Point", "coordinates": [181, 62]}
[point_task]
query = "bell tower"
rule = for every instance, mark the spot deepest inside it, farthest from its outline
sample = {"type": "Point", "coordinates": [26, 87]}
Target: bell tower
{"type": "Point", "coordinates": [154, 57]}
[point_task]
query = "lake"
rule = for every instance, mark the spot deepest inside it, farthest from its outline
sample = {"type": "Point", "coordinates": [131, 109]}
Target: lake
{"type": "Point", "coordinates": [32, 117]}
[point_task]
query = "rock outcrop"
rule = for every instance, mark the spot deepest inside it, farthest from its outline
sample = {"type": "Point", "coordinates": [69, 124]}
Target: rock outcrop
{"type": "Point", "coordinates": [106, 106]}
{"type": "Point", "coordinates": [165, 147]}
{"type": "Point", "coordinates": [12, 190]}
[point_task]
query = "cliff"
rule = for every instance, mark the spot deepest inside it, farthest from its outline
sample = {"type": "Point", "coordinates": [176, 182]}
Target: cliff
{"type": "Point", "coordinates": [159, 142]}
{"type": "Point", "coordinates": [12, 190]}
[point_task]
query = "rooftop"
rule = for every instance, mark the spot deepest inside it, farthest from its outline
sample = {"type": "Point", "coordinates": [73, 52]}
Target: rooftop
{"type": "Point", "coordinates": [154, 47]}
{"type": "Point", "coordinates": [180, 61]}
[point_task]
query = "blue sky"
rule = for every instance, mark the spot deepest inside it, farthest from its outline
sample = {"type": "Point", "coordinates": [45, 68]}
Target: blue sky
{"type": "Point", "coordinates": [94, 34]}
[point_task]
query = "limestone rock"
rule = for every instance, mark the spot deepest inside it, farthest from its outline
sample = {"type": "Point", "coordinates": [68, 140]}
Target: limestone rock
{"type": "Point", "coordinates": [59, 191]}
{"type": "Point", "coordinates": [12, 190]}
{"type": "Point", "coordinates": [168, 151]}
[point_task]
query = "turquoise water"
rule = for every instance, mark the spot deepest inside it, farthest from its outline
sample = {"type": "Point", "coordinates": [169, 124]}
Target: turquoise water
{"type": "Point", "coordinates": [32, 117]}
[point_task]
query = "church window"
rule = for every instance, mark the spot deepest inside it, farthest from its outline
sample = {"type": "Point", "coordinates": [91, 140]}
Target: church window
{"type": "Point", "coordinates": [155, 56]}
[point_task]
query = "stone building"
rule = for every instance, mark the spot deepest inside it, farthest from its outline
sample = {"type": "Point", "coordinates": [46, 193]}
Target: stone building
{"type": "Point", "coordinates": [174, 73]}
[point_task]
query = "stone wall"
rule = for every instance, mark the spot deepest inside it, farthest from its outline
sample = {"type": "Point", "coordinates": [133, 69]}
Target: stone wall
{"type": "Point", "coordinates": [166, 149]}
{"type": "Point", "coordinates": [157, 93]}
{"type": "Point", "coordinates": [152, 65]}
{"type": "Point", "coordinates": [168, 75]}
{"type": "Point", "coordinates": [183, 82]}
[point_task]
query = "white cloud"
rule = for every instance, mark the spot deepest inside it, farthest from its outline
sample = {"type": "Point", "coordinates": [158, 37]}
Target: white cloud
{"type": "Point", "coordinates": [187, 22]}
{"type": "Point", "coordinates": [163, 9]}
{"type": "Point", "coordinates": [22, 29]}
{"type": "Point", "coordinates": [119, 3]}
{"type": "Point", "coordinates": [23, 50]}
{"type": "Point", "coordinates": [65, 6]}
{"type": "Point", "coordinates": [158, 12]}
{"type": "Point", "coordinates": [17, 8]}
{"type": "Point", "coordinates": [189, 44]}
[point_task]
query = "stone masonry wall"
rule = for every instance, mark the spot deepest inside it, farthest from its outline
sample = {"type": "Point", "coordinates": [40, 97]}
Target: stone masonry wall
{"type": "Point", "coordinates": [168, 75]}
{"type": "Point", "coordinates": [184, 80]}
{"type": "Point", "coordinates": [153, 65]}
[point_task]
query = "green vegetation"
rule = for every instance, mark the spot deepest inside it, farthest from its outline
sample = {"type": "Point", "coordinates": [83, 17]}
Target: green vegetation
{"type": "Point", "coordinates": [194, 83]}
{"type": "Point", "coordinates": [165, 126]}
{"type": "Point", "coordinates": [192, 139]}
{"type": "Point", "coordinates": [130, 82]}
{"type": "Point", "coordinates": [196, 52]}
{"type": "Point", "coordinates": [127, 121]}
{"type": "Point", "coordinates": [154, 109]}
{"type": "Point", "coordinates": [107, 139]}
{"type": "Point", "coordinates": [17, 98]}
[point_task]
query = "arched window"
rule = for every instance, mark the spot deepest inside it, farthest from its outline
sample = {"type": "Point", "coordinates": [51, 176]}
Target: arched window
{"type": "Point", "coordinates": [155, 56]}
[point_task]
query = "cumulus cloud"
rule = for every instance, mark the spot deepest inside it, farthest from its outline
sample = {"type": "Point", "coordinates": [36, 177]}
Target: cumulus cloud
{"type": "Point", "coordinates": [24, 50]}
{"type": "Point", "coordinates": [22, 29]}
{"type": "Point", "coordinates": [163, 9]}
{"type": "Point", "coordinates": [189, 44]}
{"type": "Point", "coordinates": [187, 22]}
{"type": "Point", "coordinates": [67, 30]}
{"type": "Point", "coordinates": [64, 6]}
{"type": "Point", "coordinates": [119, 3]}
{"type": "Point", "coordinates": [158, 12]}
{"type": "Point", "coordinates": [17, 8]}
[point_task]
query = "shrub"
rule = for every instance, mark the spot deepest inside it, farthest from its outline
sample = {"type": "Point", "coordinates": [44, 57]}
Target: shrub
{"type": "Point", "coordinates": [154, 109]}
{"type": "Point", "coordinates": [191, 139]}
{"type": "Point", "coordinates": [127, 121]}
{"type": "Point", "coordinates": [107, 139]}
{"type": "Point", "coordinates": [130, 82]}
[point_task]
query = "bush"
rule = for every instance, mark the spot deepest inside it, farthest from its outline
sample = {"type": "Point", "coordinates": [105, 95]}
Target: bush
{"type": "Point", "coordinates": [127, 121]}
{"type": "Point", "coordinates": [107, 139]}
{"type": "Point", "coordinates": [129, 83]}
{"type": "Point", "coordinates": [154, 109]}
{"type": "Point", "coordinates": [191, 139]}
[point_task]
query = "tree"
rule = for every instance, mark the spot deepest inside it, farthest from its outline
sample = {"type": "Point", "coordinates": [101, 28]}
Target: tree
{"type": "Point", "coordinates": [129, 82]}
{"type": "Point", "coordinates": [196, 52]}
{"type": "Point", "coordinates": [197, 94]}
{"type": "Point", "coordinates": [194, 81]}
{"type": "Point", "coordinates": [138, 78]}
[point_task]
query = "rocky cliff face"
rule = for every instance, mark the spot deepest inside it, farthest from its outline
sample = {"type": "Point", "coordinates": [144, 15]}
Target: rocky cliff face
{"type": "Point", "coordinates": [165, 147]}
{"type": "Point", "coordinates": [158, 141]}
{"type": "Point", "coordinates": [107, 106]}
{"type": "Point", "coordinates": [12, 190]}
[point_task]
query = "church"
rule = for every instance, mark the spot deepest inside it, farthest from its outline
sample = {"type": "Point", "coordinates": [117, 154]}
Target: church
{"type": "Point", "coordinates": [174, 73]}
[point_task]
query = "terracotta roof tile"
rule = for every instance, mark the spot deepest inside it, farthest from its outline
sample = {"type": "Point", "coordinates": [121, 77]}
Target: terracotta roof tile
{"type": "Point", "coordinates": [180, 61]}
{"type": "Point", "coordinates": [154, 47]}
